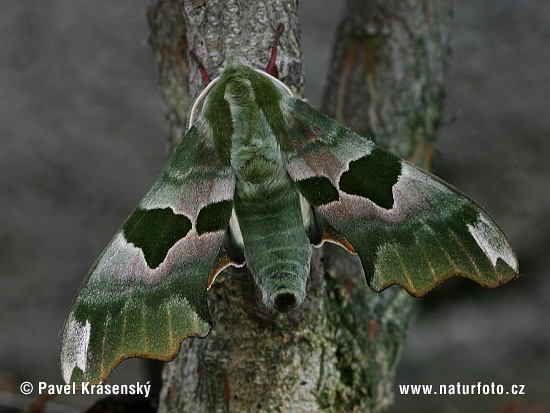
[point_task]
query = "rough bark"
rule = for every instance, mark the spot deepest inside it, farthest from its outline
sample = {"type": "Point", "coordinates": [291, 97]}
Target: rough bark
{"type": "Point", "coordinates": [385, 82]}
{"type": "Point", "coordinates": [339, 350]}
{"type": "Point", "coordinates": [169, 43]}
{"type": "Point", "coordinates": [387, 72]}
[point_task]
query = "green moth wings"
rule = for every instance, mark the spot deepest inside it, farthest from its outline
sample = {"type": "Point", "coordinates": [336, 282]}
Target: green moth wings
{"type": "Point", "coordinates": [257, 179]}
{"type": "Point", "coordinates": [407, 226]}
{"type": "Point", "coordinates": [147, 290]}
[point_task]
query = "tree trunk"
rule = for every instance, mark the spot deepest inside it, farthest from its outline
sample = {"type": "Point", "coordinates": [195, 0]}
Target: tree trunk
{"type": "Point", "coordinates": [339, 350]}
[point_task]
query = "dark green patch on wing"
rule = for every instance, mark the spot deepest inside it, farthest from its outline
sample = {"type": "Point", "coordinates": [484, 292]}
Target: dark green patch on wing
{"type": "Point", "coordinates": [155, 231]}
{"type": "Point", "coordinates": [373, 177]}
{"type": "Point", "coordinates": [214, 217]}
{"type": "Point", "coordinates": [318, 190]}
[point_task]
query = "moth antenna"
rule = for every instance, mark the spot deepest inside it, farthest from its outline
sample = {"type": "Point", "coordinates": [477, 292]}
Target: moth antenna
{"type": "Point", "coordinates": [205, 78]}
{"type": "Point", "coordinates": [271, 68]}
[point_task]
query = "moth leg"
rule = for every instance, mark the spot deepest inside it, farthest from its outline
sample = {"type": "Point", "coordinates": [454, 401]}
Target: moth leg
{"type": "Point", "coordinates": [271, 68]}
{"type": "Point", "coordinates": [205, 78]}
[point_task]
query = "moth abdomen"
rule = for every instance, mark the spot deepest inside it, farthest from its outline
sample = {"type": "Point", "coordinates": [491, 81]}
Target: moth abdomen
{"type": "Point", "coordinates": [285, 301]}
{"type": "Point", "coordinates": [276, 248]}
{"type": "Point", "coordinates": [283, 291]}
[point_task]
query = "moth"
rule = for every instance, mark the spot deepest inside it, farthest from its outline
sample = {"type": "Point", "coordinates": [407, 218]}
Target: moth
{"type": "Point", "coordinates": [259, 178]}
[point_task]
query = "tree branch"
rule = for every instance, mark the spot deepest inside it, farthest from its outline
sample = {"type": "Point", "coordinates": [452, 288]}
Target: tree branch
{"type": "Point", "coordinates": [386, 83]}
{"type": "Point", "coordinates": [253, 358]}
{"type": "Point", "coordinates": [168, 41]}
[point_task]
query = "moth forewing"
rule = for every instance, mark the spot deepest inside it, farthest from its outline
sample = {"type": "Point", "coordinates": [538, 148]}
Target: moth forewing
{"type": "Point", "coordinates": [147, 291]}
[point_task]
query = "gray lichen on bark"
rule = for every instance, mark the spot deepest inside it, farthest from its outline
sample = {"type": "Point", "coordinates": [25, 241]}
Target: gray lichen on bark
{"type": "Point", "coordinates": [339, 350]}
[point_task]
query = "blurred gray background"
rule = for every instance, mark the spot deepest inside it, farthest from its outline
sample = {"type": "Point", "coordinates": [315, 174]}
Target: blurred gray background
{"type": "Point", "coordinates": [82, 138]}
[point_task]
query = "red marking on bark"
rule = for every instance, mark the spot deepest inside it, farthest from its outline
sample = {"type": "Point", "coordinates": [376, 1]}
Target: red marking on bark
{"type": "Point", "coordinates": [373, 329]}
{"type": "Point", "coordinates": [200, 373]}
{"type": "Point", "coordinates": [427, 12]}
{"type": "Point", "coordinates": [226, 390]}
{"type": "Point", "coordinates": [349, 287]}
{"type": "Point", "coordinates": [172, 396]}
{"type": "Point", "coordinates": [180, 51]}
{"type": "Point", "coordinates": [39, 403]}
